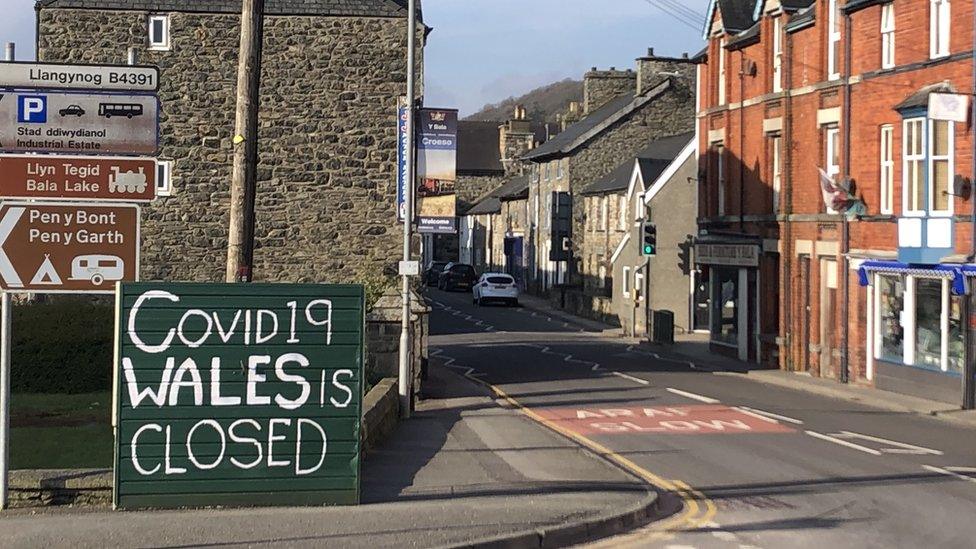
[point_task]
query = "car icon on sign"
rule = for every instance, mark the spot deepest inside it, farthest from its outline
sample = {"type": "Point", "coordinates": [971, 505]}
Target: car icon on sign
{"type": "Point", "coordinates": [72, 110]}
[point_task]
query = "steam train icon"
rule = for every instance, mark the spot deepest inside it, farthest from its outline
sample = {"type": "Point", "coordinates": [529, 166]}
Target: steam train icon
{"type": "Point", "coordinates": [127, 182]}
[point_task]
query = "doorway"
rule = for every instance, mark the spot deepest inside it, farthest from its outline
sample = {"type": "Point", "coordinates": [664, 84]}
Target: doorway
{"type": "Point", "coordinates": [806, 284]}
{"type": "Point", "coordinates": [828, 315]}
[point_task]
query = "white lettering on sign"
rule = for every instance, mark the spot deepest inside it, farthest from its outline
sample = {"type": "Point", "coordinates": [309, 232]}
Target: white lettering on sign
{"type": "Point", "coordinates": [181, 382]}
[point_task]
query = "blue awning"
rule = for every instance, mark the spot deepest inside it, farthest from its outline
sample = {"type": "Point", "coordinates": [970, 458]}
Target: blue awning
{"type": "Point", "coordinates": [956, 272]}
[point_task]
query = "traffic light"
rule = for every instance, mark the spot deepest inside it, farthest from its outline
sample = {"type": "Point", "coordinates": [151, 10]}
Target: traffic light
{"type": "Point", "coordinates": [649, 243]}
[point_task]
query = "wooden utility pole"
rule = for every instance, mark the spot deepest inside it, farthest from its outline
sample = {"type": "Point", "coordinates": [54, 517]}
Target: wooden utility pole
{"type": "Point", "coordinates": [240, 241]}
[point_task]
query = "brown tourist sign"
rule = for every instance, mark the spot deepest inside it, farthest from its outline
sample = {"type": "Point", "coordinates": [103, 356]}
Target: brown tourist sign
{"type": "Point", "coordinates": [77, 178]}
{"type": "Point", "coordinates": [67, 247]}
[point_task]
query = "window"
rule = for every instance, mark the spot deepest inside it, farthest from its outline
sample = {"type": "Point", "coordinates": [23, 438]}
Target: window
{"type": "Point", "coordinates": [548, 171]}
{"type": "Point", "coordinates": [913, 162]}
{"type": "Point", "coordinates": [832, 148]}
{"type": "Point", "coordinates": [604, 214]}
{"type": "Point", "coordinates": [639, 285]}
{"type": "Point", "coordinates": [601, 271]}
{"type": "Point", "coordinates": [919, 323]}
{"type": "Point", "coordinates": [720, 172]}
{"type": "Point", "coordinates": [725, 299]}
{"type": "Point", "coordinates": [777, 154]}
{"type": "Point", "coordinates": [939, 28]}
{"type": "Point", "coordinates": [833, 40]}
{"type": "Point", "coordinates": [622, 213]}
{"type": "Point", "coordinates": [777, 54]}
{"type": "Point", "coordinates": [887, 169]}
{"type": "Point", "coordinates": [164, 178]}
{"type": "Point", "coordinates": [626, 275]}
{"type": "Point", "coordinates": [940, 167]}
{"type": "Point", "coordinates": [159, 32]}
{"type": "Point", "coordinates": [559, 169]}
{"type": "Point", "coordinates": [888, 36]}
{"type": "Point", "coordinates": [721, 72]}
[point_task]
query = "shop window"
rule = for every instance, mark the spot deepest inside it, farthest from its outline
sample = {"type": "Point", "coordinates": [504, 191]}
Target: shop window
{"type": "Point", "coordinates": [939, 24]}
{"type": "Point", "coordinates": [928, 322]}
{"type": "Point", "coordinates": [725, 301]}
{"type": "Point", "coordinates": [891, 334]}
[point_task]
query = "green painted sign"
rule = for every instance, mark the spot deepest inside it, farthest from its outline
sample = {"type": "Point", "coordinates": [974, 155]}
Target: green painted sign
{"type": "Point", "coordinates": [237, 394]}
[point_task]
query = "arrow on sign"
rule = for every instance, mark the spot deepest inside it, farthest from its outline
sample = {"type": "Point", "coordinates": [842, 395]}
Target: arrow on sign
{"type": "Point", "coordinates": [7, 224]}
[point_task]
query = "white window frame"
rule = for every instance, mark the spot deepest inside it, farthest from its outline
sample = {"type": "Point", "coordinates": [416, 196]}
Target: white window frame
{"type": "Point", "coordinates": [832, 147]}
{"type": "Point", "coordinates": [777, 163]}
{"type": "Point", "coordinates": [888, 35]}
{"type": "Point", "coordinates": [909, 322]}
{"type": "Point", "coordinates": [940, 27]}
{"type": "Point", "coordinates": [164, 178]}
{"type": "Point", "coordinates": [887, 159]}
{"type": "Point", "coordinates": [720, 150]}
{"type": "Point", "coordinates": [639, 208]}
{"type": "Point", "coordinates": [548, 171]}
{"type": "Point", "coordinates": [777, 54]}
{"type": "Point", "coordinates": [908, 159]}
{"type": "Point", "coordinates": [639, 284]}
{"type": "Point", "coordinates": [626, 277]}
{"type": "Point", "coordinates": [721, 72]}
{"type": "Point", "coordinates": [559, 169]}
{"type": "Point", "coordinates": [833, 40]}
{"type": "Point", "coordinates": [622, 212]}
{"type": "Point", "coordinates": [155, 43]}
{"type": "Point", "coordinates": [932, 159]}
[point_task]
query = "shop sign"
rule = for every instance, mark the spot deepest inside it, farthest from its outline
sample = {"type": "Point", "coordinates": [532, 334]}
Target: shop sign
{"type": "Point", "coordinates": [237, 395]}
{"type": "Point", "coordinates": [735, 255]}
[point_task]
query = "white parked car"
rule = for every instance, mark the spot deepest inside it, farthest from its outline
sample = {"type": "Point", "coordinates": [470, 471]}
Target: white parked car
{"type": "Point", "coordinates": [495, 287]}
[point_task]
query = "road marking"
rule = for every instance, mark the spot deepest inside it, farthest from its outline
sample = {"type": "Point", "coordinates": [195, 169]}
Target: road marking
{"type": "Point", "coordinates": [771, 415]}
{"type": "Point", "coordinates": [693, 396]}
{"type": "Point", "coordinates": [844, 443]}
{"type": "Point", "coordinates": [750, 413]}
{"type": "Point", "coordinates": [631, 378]}
{"type": "Point", "coordinates": [901, 447]}
{"type": "Point", "coordinates": [953, 472]}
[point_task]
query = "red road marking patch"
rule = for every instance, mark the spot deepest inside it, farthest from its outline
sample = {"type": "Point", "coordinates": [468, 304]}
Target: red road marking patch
{"type": "Point", "coordinates": [666, 420]}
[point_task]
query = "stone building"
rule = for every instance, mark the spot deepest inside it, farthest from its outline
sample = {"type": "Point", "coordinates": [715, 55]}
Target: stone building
{"type": "Point", "coordinates": [624, 111]}
{"type": "Point", "coordinates": [868, 281]}
{"type": "Point", "coordinates": [493, 230]}
{"type": "Point", "coordinates": [331, 76]}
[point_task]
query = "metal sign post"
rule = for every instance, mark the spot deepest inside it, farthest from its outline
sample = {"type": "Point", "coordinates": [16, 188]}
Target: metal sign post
{"type": "Point", "coordinates": [5, 339]}
{"type": "Point", "coordinates": [405, 370]}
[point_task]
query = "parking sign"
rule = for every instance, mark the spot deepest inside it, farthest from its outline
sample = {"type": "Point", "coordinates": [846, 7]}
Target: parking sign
{"type": "Point", "coordinates": [32, 109]}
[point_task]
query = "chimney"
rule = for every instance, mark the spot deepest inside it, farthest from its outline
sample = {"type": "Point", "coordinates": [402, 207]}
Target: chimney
{"type": "Point", "coordinates": [601, 87]}
{"type": "Point", "coordinates": [653, 69]}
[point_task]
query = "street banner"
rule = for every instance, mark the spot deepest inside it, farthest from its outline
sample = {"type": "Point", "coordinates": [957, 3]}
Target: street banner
{"type": "Point", "coordinates": [402, 143]}
{"type": "Point", "coordinates": [437, 170]}
{"type": "Point", "coordinates": [48, 121]}
{"type": "Point", "coordinates": [78, 77]}
{"type": "Point", "coordinates": [237, 395]}
{"type": "Point", "coordinates": [67, 247]}
{"type": "Point", "coordinates": [78, 178]}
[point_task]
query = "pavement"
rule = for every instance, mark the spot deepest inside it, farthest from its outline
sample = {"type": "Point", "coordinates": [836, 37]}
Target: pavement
{"type": "Point", "coordinates": [464, 471]}
{"type": "Point", "coordinates": [751, 462]}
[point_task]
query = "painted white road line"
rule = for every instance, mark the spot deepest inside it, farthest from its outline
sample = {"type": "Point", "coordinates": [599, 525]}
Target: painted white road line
{"type": "Point", "coordinates": [951, 473]}
{"type": "Point", "coordinates": [841, 442]}
{"type": "Point", "coordinates": [772, 415]}
{"type": "Point", "coordinates": [693, 396]}
{"type": "Point", "coordinates": [750, 413]}
{"type": "Point", "coordinates": [899, 447]}
{"type": "Point", "coordinates": [632, 378]}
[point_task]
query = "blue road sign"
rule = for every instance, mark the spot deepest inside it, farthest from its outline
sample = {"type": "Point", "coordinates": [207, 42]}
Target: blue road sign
{"type": "Point", "coordinates": [32, 109]}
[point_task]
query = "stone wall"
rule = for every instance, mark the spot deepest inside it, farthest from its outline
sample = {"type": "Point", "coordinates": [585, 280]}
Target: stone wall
{"type": "Point", "coordinates": [326, 179]}
{"type": "Point", "coordinates": [599, 87]}
{"type": "Point", "coordinates": [470, 188]}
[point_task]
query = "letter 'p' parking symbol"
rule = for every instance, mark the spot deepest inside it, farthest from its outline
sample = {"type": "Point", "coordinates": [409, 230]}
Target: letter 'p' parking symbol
{"type": "Point", "coordinates": [32, 109]}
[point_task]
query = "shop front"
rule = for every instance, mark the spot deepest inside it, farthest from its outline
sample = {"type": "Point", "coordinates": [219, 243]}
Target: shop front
{"type": "Point", "coordinates": [731, 270]}
{"type": "Point", "coordinates": [916, 340]}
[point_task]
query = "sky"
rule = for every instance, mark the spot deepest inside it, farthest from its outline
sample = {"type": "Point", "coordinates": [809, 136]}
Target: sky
{"type": "Point", "coordinates": [484, 51]}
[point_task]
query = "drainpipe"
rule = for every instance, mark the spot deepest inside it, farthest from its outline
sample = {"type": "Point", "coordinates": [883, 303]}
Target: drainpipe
{"type": "Point", "coordinates": [787, 200]}
{"type": "Point", "coordinates": [969, 379]}
{"type": "Point", "coordinates": [742, 142]}
{"type": "Point", "coordinates": [846, 225]}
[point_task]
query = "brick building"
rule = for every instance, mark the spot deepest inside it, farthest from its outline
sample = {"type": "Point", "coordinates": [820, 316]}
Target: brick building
{"type": "Point", "coordinates": [858, 274]}
{"type": "Point", "coordinates": [331, 75]}
{"type": "Point", "coordinates": [622, 112]}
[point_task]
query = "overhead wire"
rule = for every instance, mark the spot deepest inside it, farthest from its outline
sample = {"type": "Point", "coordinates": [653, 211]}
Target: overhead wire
{"type": "Point", "coordinates": [679, 16]}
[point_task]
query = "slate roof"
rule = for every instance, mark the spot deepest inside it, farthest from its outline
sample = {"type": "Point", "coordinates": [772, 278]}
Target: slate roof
{"type": "Point", "coordinates": [801, 20]}
{"type": "Point", "coordinates": [478, 151]}
{"type": "Point", "coordinates": [921, 97]}
{"type": "Point", "coordinates": [491, 203]}
{"type": "Point", "coordinates": [653, 159]}
{"type": "Point", "coordinates": [364, 8]}
{"type": "Point", "coordinates": [589, 127]}
{"type": "Point", "coordinates": [744, 39]}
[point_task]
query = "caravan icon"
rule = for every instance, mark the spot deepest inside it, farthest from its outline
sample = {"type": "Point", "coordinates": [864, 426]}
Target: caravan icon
{"type": "Point", "coordinates": [97, 268]}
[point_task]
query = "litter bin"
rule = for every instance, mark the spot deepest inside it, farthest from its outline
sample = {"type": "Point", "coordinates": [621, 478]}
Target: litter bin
{"type": "Point", "coordinates": [662, 327]}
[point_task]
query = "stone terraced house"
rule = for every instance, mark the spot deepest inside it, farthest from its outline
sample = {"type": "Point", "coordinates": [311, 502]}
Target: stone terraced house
{"type": "Point", "coordinates": [331, 76]}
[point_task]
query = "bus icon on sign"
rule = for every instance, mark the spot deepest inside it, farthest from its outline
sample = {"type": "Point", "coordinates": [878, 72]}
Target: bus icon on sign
{"type": "Point", "coordinates": [32, 109]}
{"type": "Point", "coordinates": [128, 110]}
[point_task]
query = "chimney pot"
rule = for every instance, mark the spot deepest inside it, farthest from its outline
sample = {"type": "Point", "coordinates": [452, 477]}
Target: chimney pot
{"type": "Point", "coordinates": [613, 68]}
{"type": "Point", "coordinates": [684, 55]}
{"type": "Point", "coordinates": [593, 69]}
{"type": "Point", "coordinates": [650, 52]}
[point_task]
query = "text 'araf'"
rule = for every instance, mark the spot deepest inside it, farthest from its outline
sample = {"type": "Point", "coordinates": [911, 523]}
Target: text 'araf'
{"type": "Point", "coordinates": [237, 395]}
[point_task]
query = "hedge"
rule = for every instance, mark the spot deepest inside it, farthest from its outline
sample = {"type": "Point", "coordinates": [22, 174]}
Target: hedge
{"type": "Point", "coordinates": [62, 346]}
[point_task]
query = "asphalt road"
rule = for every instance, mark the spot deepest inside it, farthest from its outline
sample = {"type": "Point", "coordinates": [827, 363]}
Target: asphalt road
{"type": "Point", "coordinates": [747, 464]}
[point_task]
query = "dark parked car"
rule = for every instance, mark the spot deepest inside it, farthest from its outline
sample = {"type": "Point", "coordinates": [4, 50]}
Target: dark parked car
{"type": "Point", "coordinates": [433, 273]}
{"type": "Point", "coordinates": [457, 276]}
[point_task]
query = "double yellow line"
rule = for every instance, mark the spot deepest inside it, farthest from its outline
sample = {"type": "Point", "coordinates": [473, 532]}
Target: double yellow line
{"type": "Point", "coordinates": [698, 509]}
